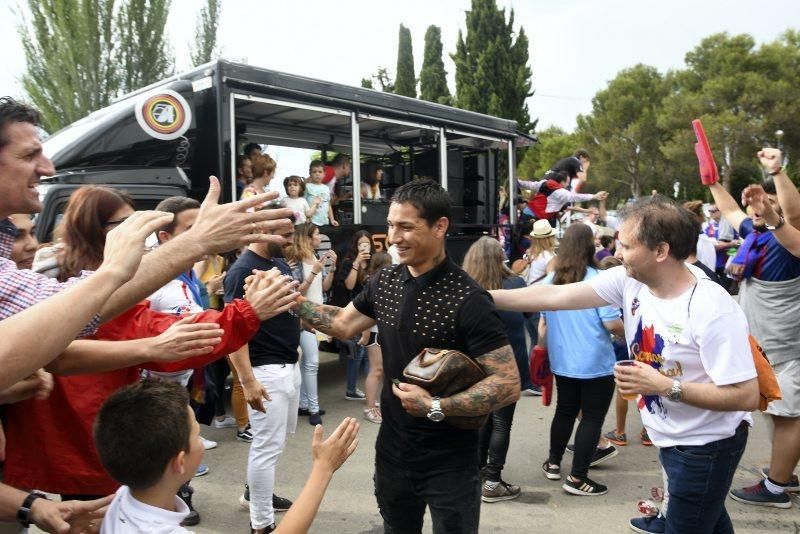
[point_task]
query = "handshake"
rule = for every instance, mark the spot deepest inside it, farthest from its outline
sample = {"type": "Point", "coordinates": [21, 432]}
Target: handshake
{"type": "Point", "coordinates": [271, 293]}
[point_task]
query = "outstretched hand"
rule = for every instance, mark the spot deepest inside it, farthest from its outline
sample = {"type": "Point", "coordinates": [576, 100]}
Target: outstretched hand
{"type": "Point", "coordinates": [125, 243]}
{"type": "Point", "coordinates": [184, 339]}
{"type": "Point", "coordinates": [334, 451]}
{"type": "Point", "coordinates": [224, 227]}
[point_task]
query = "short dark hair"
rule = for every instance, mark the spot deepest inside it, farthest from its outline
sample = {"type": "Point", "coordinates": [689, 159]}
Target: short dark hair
{"type": "Point", "coordinates": [14, 111]}
{"type": "Point", "coordinates": [659, 220]}
{"type": "Point", "coordinates": [249, 147]}
{"type": "Point", "coordinates": [430, 199]}
{"type": "Point", "coordinates": [606, 240]}
{"type": "Point", "coordinates": [315, 163]}
{"type": "Point", "coordinates": [140, 429]}
{"type": "Point", "coordinates": [176, 205]}
{"type": "Point", "coordinates": [581, 153]}
{"type": "Point", "coordinates": [339, 160]}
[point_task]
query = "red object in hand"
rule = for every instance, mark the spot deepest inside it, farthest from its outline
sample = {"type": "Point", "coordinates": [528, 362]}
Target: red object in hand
{"type": "Point", "coordinates": [541, 375]}
{"type": "Point", "coordinates": [708, 168]}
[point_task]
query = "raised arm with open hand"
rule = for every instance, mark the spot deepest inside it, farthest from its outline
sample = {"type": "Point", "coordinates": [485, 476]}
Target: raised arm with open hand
{"type": "Point", "coordinates": [218, 228]}
{"type": "Point", "coordinates": [27, 346]}
{"type": "Point", "coordinates": [329, 455]}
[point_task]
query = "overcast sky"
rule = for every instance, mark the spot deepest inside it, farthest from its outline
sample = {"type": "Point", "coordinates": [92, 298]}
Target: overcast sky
{"type": "Point", "coordinates": [575, 46]}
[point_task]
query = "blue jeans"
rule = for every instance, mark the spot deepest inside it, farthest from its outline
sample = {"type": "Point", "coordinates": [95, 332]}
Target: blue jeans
{"type": "Point", "coordinates": [356, 361]}
{"type": "Point", "coordinates": [698, 479]}
{"type": "Point", "coordinates": [453, 496]}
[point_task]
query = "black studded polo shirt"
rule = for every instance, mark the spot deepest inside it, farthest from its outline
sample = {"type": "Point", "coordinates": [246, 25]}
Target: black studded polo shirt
{"type": "Point", "coordinates": [446, 309]}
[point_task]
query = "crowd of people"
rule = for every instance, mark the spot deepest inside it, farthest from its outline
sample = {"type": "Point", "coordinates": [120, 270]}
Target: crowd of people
{"type": "Point", "coordinates": [105, 406]}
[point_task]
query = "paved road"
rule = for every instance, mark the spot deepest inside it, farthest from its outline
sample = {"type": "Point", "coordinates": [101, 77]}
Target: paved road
{"type": "Point", "coordinates": [349, 506]}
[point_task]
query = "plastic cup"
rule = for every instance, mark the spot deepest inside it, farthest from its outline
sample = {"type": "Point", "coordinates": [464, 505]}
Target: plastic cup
{"type": "Point", "coordinates": [628, 396]}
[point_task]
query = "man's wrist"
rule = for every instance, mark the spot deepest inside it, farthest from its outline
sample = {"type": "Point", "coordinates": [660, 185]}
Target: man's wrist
{"type": "Point", "coordinates": [30, 508]}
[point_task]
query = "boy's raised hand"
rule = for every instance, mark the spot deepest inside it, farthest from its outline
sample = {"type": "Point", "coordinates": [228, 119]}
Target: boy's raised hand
{"type": "Point", "coordinates": [334, 451]}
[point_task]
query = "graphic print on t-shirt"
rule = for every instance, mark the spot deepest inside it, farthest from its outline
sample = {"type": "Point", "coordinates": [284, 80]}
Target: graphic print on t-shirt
{"type": "Point", "coordinates": [647, 347]}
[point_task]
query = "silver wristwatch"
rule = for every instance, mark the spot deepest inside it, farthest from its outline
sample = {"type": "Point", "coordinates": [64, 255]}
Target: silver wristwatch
{"type": "Point", "coordinates": [436, 414]}
{"type": "Point", "coordinates": [676, 393]}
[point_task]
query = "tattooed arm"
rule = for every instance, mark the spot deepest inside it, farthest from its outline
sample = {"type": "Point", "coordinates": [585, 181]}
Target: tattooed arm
{"type": "Point", "coordinates": [343, 323]}
{"type": "Point", "coordinates": [500, 388]}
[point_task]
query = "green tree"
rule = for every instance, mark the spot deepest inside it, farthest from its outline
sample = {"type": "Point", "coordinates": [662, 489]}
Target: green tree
{"type": "Point", "coordinates": [366, 83]}
{"type": "Point", "coordinates": [492, 71]}
{"type": "Point", "coordinates": [382, 78]}
{"type": "Point", "coordinates": [205, 33]}
{"type": "Point", "coordinates": [144, 55]}
{"type": "Point", "coordinates": [68, 47]}
{"type": "Point", "coordinates": [405, 83]}
{"type": "Point", "coordinates": [432, 76]}
{"type": "Point", "coordinates": [621, 133]}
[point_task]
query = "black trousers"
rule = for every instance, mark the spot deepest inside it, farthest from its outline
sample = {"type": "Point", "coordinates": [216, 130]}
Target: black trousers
{"type": "Point", "coordinates": [592, 397]}
{"type": "Point", "coordinates": [453, 496]}
{"type": "Point", "coordinates": [494, 439]}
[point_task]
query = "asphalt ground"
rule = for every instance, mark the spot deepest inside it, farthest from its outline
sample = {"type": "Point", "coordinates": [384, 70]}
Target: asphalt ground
{"type": "Point", "coordinates": [349, 505]}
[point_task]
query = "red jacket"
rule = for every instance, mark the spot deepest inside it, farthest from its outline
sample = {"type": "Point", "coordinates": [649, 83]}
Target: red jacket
{"type": "Point", "coordinates": [50, 443]}
{"type": "Point", "coordinates": [538, 202]}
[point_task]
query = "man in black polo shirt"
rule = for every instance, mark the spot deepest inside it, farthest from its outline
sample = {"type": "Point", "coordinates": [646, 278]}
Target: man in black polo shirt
{"type": "Point", "coordinates": [576, 167]}
{"type": "Point", "coordinates": [267, 367]}
{"type": "Point", "coordinates": [426, 301]}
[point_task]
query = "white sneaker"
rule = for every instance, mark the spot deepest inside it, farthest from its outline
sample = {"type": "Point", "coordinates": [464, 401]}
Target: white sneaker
{"type": "Point", "coordinates": [228, 422]}
{"type": "Point", "coordinates": [208, 444]}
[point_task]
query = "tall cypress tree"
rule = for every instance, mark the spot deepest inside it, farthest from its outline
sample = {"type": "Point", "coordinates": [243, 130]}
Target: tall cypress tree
{"type": "Point", "coordinates": [205, 34]}
{"type": "Point", "coordinates": [68, 49]}
{"type": "Point", "coordinates": [144, 54]}
{"type": "Point", "coordinates": [492, 71]}
{"type": "Point", "coordinates": [405, 83]}
{"type": "Point", "coordinates": [433, 77]}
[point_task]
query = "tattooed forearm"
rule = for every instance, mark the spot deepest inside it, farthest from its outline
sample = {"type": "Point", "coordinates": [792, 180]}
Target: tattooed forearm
{"type": "Point", "coordinates": [320, 316]}
{"type": "Point", "coordinates": [500, 388]}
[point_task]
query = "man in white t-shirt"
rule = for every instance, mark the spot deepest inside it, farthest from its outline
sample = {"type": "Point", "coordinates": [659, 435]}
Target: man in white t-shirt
{"type": "Point", "coordinates": [693, 369]}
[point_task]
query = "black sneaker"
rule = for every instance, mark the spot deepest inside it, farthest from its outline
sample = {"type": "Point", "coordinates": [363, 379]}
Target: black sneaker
{"type": "Point", "coordinates": [245, 435]}
{"type": "Point", "coordinates": [794, 483]}
{"type": "Point", "coordinates": [552, 472]}
{"type": "Point", "coordinates": [759, 495]}
{"type": "Point", "coordinates": [266, 530]}
{"type": "Point", "coordinates": [356, 395]}
{"type": "Point", "coordinates": [503, 491]}
{"type": "Point", "coordinates": [185, 493]}
{"type": "Point", "coordinates": [585, 487]}
{"type": "Point", "coordinates": [303, 412]}
{"type": "Point", "coordinates": [314, 419]}
{"type": "Point", "coordinates": [280, 504]}
{"type": "Point", "coordinates": [601, 455]}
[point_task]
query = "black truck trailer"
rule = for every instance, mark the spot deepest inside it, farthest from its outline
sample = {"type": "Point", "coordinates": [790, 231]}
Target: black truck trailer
{"type": "Point", "coordinates": [170, 136]}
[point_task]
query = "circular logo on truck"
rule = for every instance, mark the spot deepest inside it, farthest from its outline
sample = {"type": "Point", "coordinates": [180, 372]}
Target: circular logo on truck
{"type": "Point", "coordinates": [164, 115]}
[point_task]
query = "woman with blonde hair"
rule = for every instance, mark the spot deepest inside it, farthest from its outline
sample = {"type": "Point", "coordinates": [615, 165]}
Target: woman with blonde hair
{"type": "Point", "coordinates": [485, 262]}
{"type": "Point", "coordinates": [302, 255]}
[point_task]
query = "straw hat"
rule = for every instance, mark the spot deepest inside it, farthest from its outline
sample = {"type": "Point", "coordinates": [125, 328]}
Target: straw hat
{"type": "Point", "coordinates": [542, 229]}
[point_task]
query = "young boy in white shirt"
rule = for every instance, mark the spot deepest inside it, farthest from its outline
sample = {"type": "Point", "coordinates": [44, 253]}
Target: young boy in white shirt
{"type": "Point", "coordinates": [148, 440]}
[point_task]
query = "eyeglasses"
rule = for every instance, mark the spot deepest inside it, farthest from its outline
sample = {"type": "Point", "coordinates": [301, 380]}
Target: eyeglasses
{"type": "Point", "coordinates": [713, 211]}
{"type": "Point", "coordinates": [115, 222]}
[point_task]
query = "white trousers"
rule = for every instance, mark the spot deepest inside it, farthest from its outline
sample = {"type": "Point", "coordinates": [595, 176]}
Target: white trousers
{"type": "Point", "coordinates": [270, 431]}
